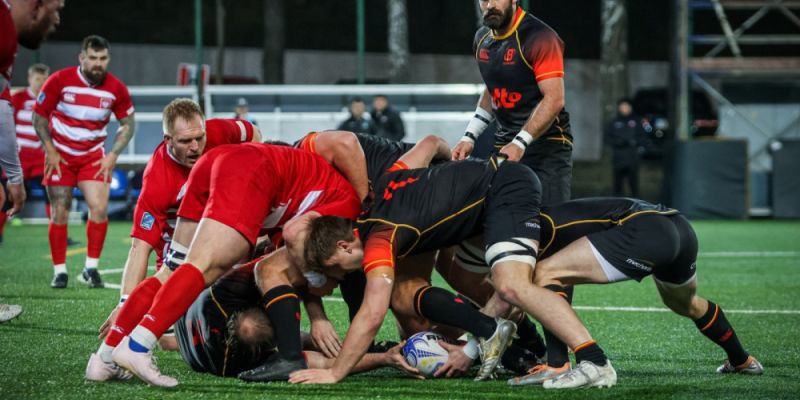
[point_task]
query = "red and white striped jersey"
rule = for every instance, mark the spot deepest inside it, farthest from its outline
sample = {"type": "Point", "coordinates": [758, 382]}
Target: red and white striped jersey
{"type": "Point", "coordinates": [8, 49]}
{"type": "Point", "coordinates": [23, 102]}
{"type": "Point", "coordinates": [79, 112]}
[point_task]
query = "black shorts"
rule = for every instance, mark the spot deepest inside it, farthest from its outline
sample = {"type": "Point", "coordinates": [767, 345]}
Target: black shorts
{"type": "Point", "coordinates": [512, 205]}
{"type": "Point", "coordinates": [549, 158]}
{"type": "Point", "coordinates": [662, 245]}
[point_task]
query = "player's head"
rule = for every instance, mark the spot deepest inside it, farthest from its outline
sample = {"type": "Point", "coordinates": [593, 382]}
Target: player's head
{"type": "Point", "coordinates": [331, 246]}
{"type": "Point", "coordinates": [380, 102]}
{"type": "Point", "coordinates": [624, 107]}
{"type": "Point", "coordinates": [242, 108]}
{"type": "Point", "coordinates": [184, 131]}
{"type": "Point", "coordinates": [37, 74]}
{"type": "Point", "coordinates": [94, 58]}
{"type": "Point", "coordinates": [497, 14]}
{"type": "Point", "coordinates": [35, 20]}
{"type": "Point", "coordinates": [357, 107]}
{"type": "Point", "coordinates": [250, 329]}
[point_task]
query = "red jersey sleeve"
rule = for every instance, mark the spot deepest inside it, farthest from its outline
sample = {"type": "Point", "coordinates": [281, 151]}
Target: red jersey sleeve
{"type": "Point", "coordinates": [227, 131]}
{"type": "Point", "coordinates": [379, 249]}
{"type": "Point", "coordinates": [18, 100]}
{"type": "Point", "coordinates": [150, 216]}
{"type": "Point", "coordinates": [545, 54]}
{"type": "Point", "coordinates": [48, 97]}
{"type": "Point", "coordinates": [123, 107]}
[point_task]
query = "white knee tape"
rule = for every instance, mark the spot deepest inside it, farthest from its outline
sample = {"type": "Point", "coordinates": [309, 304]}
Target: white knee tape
{"type": "Point", "coordinates": [515, 249]}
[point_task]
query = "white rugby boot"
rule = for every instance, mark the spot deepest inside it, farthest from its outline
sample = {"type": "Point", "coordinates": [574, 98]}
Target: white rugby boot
{"type": "Point", "coordinates": [749, 367]}
{"type": "Point", "coordinates": [492, 349]}
{"type": "Point", "coordinates": [143, 365]}
{"type": "Point", "coordinates": [98, 370]}
{"type": "Point", "coordinates": [585, 375]}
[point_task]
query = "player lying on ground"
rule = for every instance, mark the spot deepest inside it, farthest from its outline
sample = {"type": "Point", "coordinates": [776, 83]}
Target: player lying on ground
{"type": "Point", "coordinates": [226, 332]}
{"type": "Point", "coordinates": [225, 208]}
{"type": "Point", "coordinates": [426, 209]}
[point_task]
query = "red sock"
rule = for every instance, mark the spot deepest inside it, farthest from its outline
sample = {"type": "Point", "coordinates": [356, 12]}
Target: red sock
{"type": "Point", "coordinates": [58, 243]}
{"type": "Point", "coordinates": [3, 218]}
{"type": "Point", "coordinates": [173, 299]}
{"type": "Point", "coordinates": [47, 210]}
{"type": "Point", "coordinates": [133, 310]}
{"type": "Point", "coordinates": [95, 236]}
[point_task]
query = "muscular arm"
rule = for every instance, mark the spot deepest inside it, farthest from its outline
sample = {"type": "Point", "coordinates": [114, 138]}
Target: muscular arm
{"type": "Point", "coordinates": [256, 135]}
{"type": "Point", "coordinates": [135, 268]}
{"type": "Point", "coordinates": [485, 101]}
{"type": "Point", "coordinates": [546, 111]}
{"type": "Point", "coordinates": [127, 126]}
{"type": "Point", "coordinates": [426, 150]}
{"type": "Point", "coordinates": [343, 151]}
{"type": "Point", "coordinates": [40, 124]}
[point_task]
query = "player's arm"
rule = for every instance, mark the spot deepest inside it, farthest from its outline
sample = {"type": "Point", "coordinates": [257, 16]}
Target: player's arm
{"type": "Point", "coordinates": [480, 120]}
{"type": "Point", "coordinates": [52, 160]}
{"type": "Point", "coordinates": [294, 236]}
{"type": "Point", "coordinates": [323, 334]}
{"type": "Point", "coordinates": [392, 358]}
{"type": "Point", "coordinates": [256, 134]}
{"type": "Point", "coordinates": [344, 152]}
{"type": "Point", "coordinates": [127, 127]}
{"type": "Point", "coordinates": [426, 150]}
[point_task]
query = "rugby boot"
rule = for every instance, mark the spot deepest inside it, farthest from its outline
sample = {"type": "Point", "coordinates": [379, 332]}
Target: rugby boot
{"type": "Point", "coordinates": [92, 278]}
{"type": "Point", "coordinates": [98, 370]}
{"type": "Point", "coordinates": [519, 360]}
{"type": "Point", "coordinates": [585, 375]}
{"type": "Point", "coordinates": [143, 365]}
{"type": "Point", "coordinates": [274, 369]}
{"type": "Point", "coordinates": [491, 350]}
{"type": "Point", "coordinates": [59, 281]}
{"type": "Point", "coordinates": [750, 367]}
{"type": "Point", "coordinates": [539, 374]}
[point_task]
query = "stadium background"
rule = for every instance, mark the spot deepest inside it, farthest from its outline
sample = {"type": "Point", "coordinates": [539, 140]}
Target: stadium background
{"type": "Point", "coordinates": [751, 266]}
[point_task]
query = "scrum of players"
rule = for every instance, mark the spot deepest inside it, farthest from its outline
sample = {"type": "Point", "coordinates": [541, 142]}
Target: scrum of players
{"type": "Point", "coordinates": [245, 232]}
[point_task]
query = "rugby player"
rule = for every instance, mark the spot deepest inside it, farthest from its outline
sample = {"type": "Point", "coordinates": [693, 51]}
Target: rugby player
{"type": "Point", "coordinates": [187, 136]}
{"type": "Point", "coordinates": [70, 117]}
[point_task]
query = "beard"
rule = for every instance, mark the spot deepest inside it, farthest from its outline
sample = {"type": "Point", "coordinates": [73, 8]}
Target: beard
{"type": "Point", "coordinates": [32, 38]}
{"type": "Point", "coordinates": [96, 75]}
{"type": "Point", "coordinates": [495, 19]}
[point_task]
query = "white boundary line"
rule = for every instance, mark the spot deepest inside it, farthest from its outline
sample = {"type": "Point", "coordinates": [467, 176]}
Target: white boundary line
{"type": "Point", "coordinates": [724, 254]}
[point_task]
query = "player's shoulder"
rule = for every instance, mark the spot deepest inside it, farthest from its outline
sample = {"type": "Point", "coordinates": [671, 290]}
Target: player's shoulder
{"type": "Point", "coordinates": [481, 33]}
{"type": "Point", "coordinates": [20, 96]}
{"type": "Point", "coordinates": [533, 28]}
{"type": "Point", "coordinates": [114, 84]}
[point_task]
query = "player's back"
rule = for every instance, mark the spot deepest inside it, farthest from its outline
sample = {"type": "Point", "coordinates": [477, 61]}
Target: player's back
{"type": "Point", "coordinates": [566, 222]}
{"type": "Point", "coordinates": [433, 207]}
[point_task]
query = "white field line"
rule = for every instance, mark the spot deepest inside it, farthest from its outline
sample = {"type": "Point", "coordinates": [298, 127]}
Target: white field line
{"type": "Point", "coordinates": [725, 254]}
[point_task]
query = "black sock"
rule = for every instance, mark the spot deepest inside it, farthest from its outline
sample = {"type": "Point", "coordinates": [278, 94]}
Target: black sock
{"type": "Point", "coordinates": [529, 338]}
{"type": "Point", "coordinates": [716, 327]}
{"type": "Point", "coordinates": [283, 309]}
{"type": "Point", "coordinates": [443, 307]}
{"type": "Point", "coordinates": [590, 351]}
{"type": "Point", "coordinates": [557, 354]}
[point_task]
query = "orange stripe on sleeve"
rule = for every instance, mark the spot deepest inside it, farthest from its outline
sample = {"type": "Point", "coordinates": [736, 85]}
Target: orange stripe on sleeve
{"type": "Point", "coordinates": [398, 166]}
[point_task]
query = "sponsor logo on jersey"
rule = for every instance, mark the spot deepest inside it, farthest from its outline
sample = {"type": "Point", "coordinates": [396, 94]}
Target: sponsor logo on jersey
{"type": "Point", "coordinates": [147, 221]}
{"type": "Point", "coordinates": [105, 103]}
{"type": "Point", "coordinates": [41, 98]}
{"type": "Point", "coordinates": [532, 225]}
{"type": "Point", "coordinates": [393, 186]}
{"type": "Point", "coordinates": [69, 97]}
{"type": "Point", "coordinates": [502, 98]}
{"type": "Point", "coordinates": [483, 55]}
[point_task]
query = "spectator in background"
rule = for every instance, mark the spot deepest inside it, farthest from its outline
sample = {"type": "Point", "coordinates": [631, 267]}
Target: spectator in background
{"type": "Point", "coordinates": [627, 138]}
{"type": "Point", "coordinates": [357, 122]}
{"type": "Point", "coordinates": [242, 111]}
{"type": "Point", "coordinates": [386, 119]}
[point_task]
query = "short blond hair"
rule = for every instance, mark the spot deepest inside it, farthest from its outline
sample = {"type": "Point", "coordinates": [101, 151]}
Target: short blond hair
{"type": "Point", "coordinates": [180, 108]}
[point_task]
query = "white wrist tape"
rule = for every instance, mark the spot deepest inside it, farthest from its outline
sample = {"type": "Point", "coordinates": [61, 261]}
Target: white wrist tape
{"type": "Point", "coordinates": [471, 348]}
{"type": "Point", "coordinates": [477, 124]}
{"type": "Point", "coordinates": [523, 139]}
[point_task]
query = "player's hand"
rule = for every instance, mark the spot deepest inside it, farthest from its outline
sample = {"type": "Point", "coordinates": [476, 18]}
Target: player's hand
{"type": "Point", "coordinates": [462, 150]}
{"type": "Point", "coordinates": [513, 152]}
{"type": "Point", "coordinates": [457, 361]}
{"type": "Point", "coordinates": [325, 338]}
{"type": "Point", "coordinates": [313, 376]}
{"type": "Point", "coordinates": [107, 165]}
{"type": "Point", "coordinates": [16, 194]}
{"type": "Point", "coordinates": [52, 163]}
{"type": "Point", "coordinates": [396, 360]}
{"type": "Point", "coordinates": [106, 327]}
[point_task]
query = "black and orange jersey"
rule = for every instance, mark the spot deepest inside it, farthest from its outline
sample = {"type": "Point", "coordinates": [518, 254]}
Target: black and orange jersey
{"type": "Point", "coordinates": [567, 222]}
{"type": "Point", "coordinates": [418, 210]}
{"type": "Point", "coordinates": [202, 332]}
{"type": "Point", "coordinates": [512, 65]}
{"type": "Point", "coordinates": [380, 153]}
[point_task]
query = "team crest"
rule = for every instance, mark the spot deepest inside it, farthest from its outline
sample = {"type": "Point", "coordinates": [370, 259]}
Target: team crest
{"type": "Point", "coordinates": [41, 98]}
{"type": "Point", "coordinates": [147, 221]}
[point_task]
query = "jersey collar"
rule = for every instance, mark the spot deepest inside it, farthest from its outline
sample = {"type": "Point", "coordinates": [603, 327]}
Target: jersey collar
{"type": "Point", "coordinates": [514, 24]}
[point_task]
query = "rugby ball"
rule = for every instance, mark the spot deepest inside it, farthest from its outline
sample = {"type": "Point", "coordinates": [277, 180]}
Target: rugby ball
{"type": "Point", "coordinates": [423, 352]}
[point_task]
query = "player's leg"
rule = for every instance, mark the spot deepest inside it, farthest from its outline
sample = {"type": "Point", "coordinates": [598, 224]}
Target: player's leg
{"type": "Point", "coordinates": [60, 203]}
{"type": "Point", "coordinates": [96, 195]}
{"type": "Point", "coordinates": [677, 285]}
